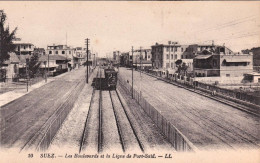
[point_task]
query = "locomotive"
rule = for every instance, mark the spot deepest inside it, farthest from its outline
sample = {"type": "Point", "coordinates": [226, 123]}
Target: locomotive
{"type": "Point", "coordinates": [106, 79]}
{"type": "Point", "coordinates": [111, 78]}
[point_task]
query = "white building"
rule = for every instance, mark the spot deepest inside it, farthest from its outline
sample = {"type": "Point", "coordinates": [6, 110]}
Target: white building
{"type": "Point", "coordinates": [22, 48]}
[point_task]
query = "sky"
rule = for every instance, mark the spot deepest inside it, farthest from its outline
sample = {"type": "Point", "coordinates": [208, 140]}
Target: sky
{"type": "Point", "coordinates": [120, 25]}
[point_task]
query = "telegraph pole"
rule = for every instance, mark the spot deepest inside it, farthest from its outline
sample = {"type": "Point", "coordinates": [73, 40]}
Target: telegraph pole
{"type": "Point", "coordinates": [87, 43]}
{"type": "Point", "coordinates": [140, 59]}
{"type": "Point", "coordinates": [132, 72]}
{"type": "Point", "coordinates": [27, 73]}
{"type": "Point", "coordinates": [140, 70]}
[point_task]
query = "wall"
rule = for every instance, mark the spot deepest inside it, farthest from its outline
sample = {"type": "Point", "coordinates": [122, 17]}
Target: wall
{"type": "Point", "coordinates": [256, 79]}
{"type": "Point", "coordinates": [11, 70]}
{"type": "Point", "coordinates": [236, 71]}
{"type": "Point", "coordinates": [220, 80]}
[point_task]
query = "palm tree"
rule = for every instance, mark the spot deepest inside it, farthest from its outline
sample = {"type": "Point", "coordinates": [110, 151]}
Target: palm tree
{"type": "Point", "coordinates": [6, 39]}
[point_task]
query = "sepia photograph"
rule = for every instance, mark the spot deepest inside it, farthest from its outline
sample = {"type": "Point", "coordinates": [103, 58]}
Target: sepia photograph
{"type": "Point", "coordinates": [135, 81]}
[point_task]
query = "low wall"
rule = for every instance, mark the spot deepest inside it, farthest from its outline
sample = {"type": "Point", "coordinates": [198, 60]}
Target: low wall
{"type": "Point", "coordinates": [174, 136]}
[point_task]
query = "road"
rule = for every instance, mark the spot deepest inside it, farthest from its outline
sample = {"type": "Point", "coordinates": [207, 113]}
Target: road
{"type": "Point", "coordinates": [22, 118]}
{"type": "Point", "coordinates": [208, 124]}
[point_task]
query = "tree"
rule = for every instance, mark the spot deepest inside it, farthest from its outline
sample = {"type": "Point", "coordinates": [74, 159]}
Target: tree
{"type": "Point", "coordinates": [6, 39]}
{"type": "Point", "coordinates": [184, 68]}
{"type": "Point", "coordinates": [178, 65]}
{"type": "Point", "coordinates": [33, 65]}
{"type": "Point", "coordinates": [178, 62]}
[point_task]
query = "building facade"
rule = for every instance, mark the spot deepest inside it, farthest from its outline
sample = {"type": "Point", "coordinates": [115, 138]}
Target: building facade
{"type": "Point", "coordinates": [142, 57]}
{"type": "Point", "coordinates": [116, 57]}
{"type": "Point", "coordinates": [22, 48]}
{"type": "Point", "coordinates": [222, 66]}
{"type": "Point", "coordinates": [125, 59]}
{"type": "Point", "coordinates": [164, 56]}
{"type": "Point", "coordinates": [63, 50]}
{"type": "Point", "coordinates": [39, 51]}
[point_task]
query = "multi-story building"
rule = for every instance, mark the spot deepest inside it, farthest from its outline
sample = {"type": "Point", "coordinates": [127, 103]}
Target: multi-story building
{"type": "Point", "coordinates": [22, 48]}
{"type": "Point", "coordinates": [256, 57]}
{"type": "Point", "coordinates": [222, 66]}
{"type": "Point", "coordinates": [142, 57]}
{"type": "Point", "coordinates": [60, 50]}
{"type": "Point", "coordinates": [80, 56]}
{"type": "Point", "coordinates": [63, 50]}
{"type": "Point", "coordinates": [54, 64]}
{"type": "Point", "coordinates": [164, 56]}
{"type": "Point", "coordinates": [125, 59]}
{"type": "Point", "coordinates": [116, 57]}
{"type": "Point", "coordinates": [39, 51]}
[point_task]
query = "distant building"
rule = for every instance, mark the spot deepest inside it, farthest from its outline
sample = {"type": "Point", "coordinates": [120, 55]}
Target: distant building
{"type": "Point", "coordinates": [256, 57]}
{"type": "Point", "coordinates": [60, 50]}
{"type": "Point", "coordinates": [11, 67]}
{"type": "Point", "coordinates": [22, 48]}
{"type": "Point", "coordinates": [125, 59]}
{"type": "Point", "coordinates": [63, 50]}
{"type": "Point", "coordinates": [253, 77]}
{"type": "Point", "coordinates": [191, 51]}
{"type": "Point", "coordinates": [222, 66]}
{"type": "Point", "coordinates": [142, 57]}
{"type": "Point", "coordinates": [116, 57]}
{"type": "Point", "coordinates": [80, 56]}
{"type": "Point", "coordinates": [164, 56]}
{"type": "Point", "coordinates": [39, 51]}
{"type": "Point", "coordinates": [54, 64]}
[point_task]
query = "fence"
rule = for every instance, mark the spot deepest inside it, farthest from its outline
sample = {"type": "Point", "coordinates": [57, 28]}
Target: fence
{"type": "Point", "coordinates": [44, 137]}
{"type": "Point", "coordinates": [60, 115]}
{"type": "Point", "coordinates": [174, 136]}
{"type": "Point", "coordinates": [9, 84]}
{"type": "Point", "coordinates": [225, 93]}
{"type": "Point", "coordinates": [231, 93]}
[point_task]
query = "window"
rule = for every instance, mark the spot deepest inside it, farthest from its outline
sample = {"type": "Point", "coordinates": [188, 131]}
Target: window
{"type": "Point", "coordinates": [30, 46]}
{"type": "Point", "coordinates": [50, 52]}
{"type": "Point", "coordinates": [167, 49]}
{"type": "Point", "coordinates": [227, 75]}
{"type": "Point", "coordinates": [258, 80]}
{"type": "Point", "coordinates": [167, 56]}
{"type": "Point", "coordinates": [175, 56]}
{"type": "Point", "coordinates": [23, 47]}
{"type": "Point", "coordinates": [69, 52]}
{"type": "Point", "coordinates": [181, 56]}
{"type": "Point", "coordinates": [172, 56]}
{"type": "Point", "coordinates": [63, 52]}
{"type": "Point", "coordinates": [172, 49]}
{"type": "Point", "coordinates": [181, 49]}
{"type": "Point", "coordinates": [57, 52]}
{"type": "Point", "coordinates": [167, 65]}
{"type": "Point", "coordinates": [172, 65]}
{"type": "Point", "coordinates": [175, 49]}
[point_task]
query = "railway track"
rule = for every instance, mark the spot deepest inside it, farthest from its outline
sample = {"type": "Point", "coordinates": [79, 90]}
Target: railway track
{"type": "Point", "coordinates": [108, 125]}
{"type": "Point", "coordinates": [120, 111]}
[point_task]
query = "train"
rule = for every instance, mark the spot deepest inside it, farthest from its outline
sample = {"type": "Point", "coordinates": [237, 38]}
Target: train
{"type": "Point", "coordinates": [106, 78]}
